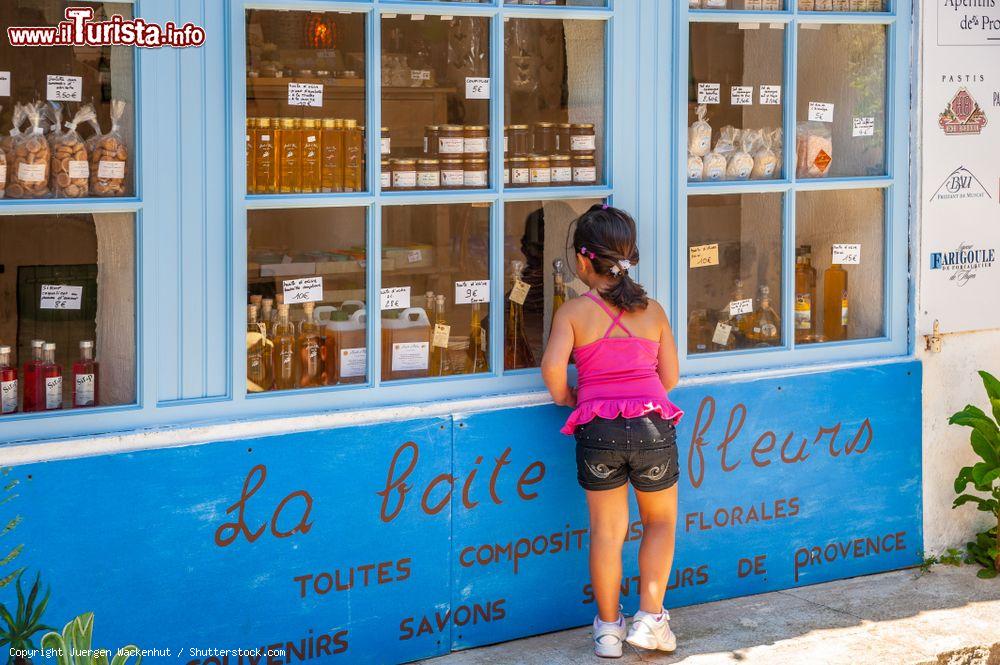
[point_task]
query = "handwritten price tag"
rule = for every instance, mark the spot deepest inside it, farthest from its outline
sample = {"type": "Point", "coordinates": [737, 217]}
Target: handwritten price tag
{"type": "Point", "coordinates": [770, 95]}
{"type": "Point", "coordinates": [4, 84]}
{"type": "Point", "coordinates": [722, 333]}
{"type": "Point", "coordinates": [519, 292]}
{"type": "Point", "coordinates": [709, 93]}
{"type": "Point", "coordinates": [306, 289]}
{"type": "Point", "coordinates": [846, 255]}
{"type": "Point", "coordinates": [396, 297]}
{"type": "Point", "coordinates": [61, 296]}
{"type": "Point", "coordinates": [740, 307]}
{"type": "Point", "coordinates": [305, 94]}
{"type": "Point", "coordinates": [863, 127]}
{"type": "Point", "coordinates": [64, 88]}
{"type": "Point", "coordinates": [477, 87]}
{"type": "Point", "coordinates": [414, 256]}
{"type": "Point", "coordinates": [820, 112]}
{"type": "Point", "coordinates": [472, 291]}
{"type": "Point", "coordinates": [741, 95]}
{"type": "Point", "coordinates": [442, 334]}
{"type": "Point", "coordinates": [701, 256]}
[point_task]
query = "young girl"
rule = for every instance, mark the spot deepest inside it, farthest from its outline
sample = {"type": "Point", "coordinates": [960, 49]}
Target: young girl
{"type": "Point", "coordinates": [623, 423]}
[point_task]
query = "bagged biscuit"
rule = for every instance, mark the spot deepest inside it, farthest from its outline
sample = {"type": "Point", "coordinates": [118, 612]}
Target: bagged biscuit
{"type": "Point", "coordinates": [29, 178]}
{"type": "Point", "coordinates": [726, 145]}
{"type": "Point", "coordinates": [700, 133]}
{"type": "Point", "coordinates": [813, 150]}
{"type": "Point", "coordinates": [764, 159]}
{"type": "Point", "coordinates": [774, 137]}
{"type": "Point", "coordinates": [696, 167]}
{"type": "Point", "coordinates": [109, 157]}
{"type": "Point", "coordinates": [741, 163]}
{"type": "Point", "coordinates": [70, 166]}
{"type": "Point", "coordinates": [715, 166]}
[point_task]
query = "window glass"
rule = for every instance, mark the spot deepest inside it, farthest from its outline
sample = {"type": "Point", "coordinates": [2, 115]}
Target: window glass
{"type": "Point", "coordinates": [435, 290]}
{"type": "Point", "coordinates": [554, 102]}
{"type": "Point", "coordinates": [559, 3]}
{"type": "Point", "coordinates": [435, 101]}
{"type": "Point", "coordinates": [734, 101]}
{"type": "Point", "coordinates": [839, 271]}
{"type": "Point", "coordinates": [92, 88]}
{"type": "Point", "coordinates": [306, 287]}
{"type": "Point", "coordinates": [743, 5]}
{"type": "Point", "coordinates": [305, 102]}
{"type": "Point", "coordinates": [734, 272]}
{"type": "Point", "coordinates": [843, 5]}
{"type": "Point", "coordinates": [68, 282]}
{"type": "Point", "coordinates": [538, 252]}
{"type": "Point", "coordinates": [841, 101]}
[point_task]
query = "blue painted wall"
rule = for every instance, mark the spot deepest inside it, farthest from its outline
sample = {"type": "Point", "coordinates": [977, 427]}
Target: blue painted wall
{"type": "Point", "coordinates": [392, 542]}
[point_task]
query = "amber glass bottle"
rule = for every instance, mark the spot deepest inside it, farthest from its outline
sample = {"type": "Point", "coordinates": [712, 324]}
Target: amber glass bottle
{"type": "Point", "coordinates": [354, 178]}
{"type": "Point", "coordinates": [283, 355]}
{"type": "Point", "coordinates": [439, 354]}
{"type": "Point", "coordinates": [476, 360]}
{"type": "Point", "coordinates": [835, 303]}
{"type": "Point", "coordinates": [251, 150]}
{"type": "Point", "coordinates": [311, 156]}
{"type": "Point", "coordinates": [290, 158]}
{"type": "Point", "coordinates": [805, 294]}
{"type": "Point", "coordinates": [265, 175]}
{"type": "Point", "coordinates": [311, 350]}
{"type": "Point", "coordinates": [517, 353]}
{"type": "Point", "coordinates": [332, 169]}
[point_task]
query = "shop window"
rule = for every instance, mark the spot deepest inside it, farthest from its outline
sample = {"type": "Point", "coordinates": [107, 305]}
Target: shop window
{"type": "Point", "coordinates": [554, 102]}
{"type": "Point", "coordinates": [306, 318]}
{"type": "Point", "coordinates": [839, 268]}
{"type": "Point", "coordinates": [90, 88]}
{"type": "Point", "coordinates": [734, 272]}
{"type": "Point", "coordinates": [741, 5]}
{"type": "Point", "coordinates": [435, 291]}
{"type": "Point", "coordinates": [435, 102]}
{"type": "Point", "coordinates": [735, 101]}
{"type": "Point", "coordinates": [67, 311]}
{"type": "Point", "coordinates": [540, 273]}
{"type": "Point", "coordinates": [557, 3]}
{"type": "Point", "coordinates": [841, 101]}
{"type": "Point", "coordinates": [843, 5]}
{"type": "Point", "coordinates": [305, 102]}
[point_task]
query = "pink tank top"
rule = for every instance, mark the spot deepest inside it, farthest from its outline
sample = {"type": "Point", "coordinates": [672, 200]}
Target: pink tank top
{"type": "Point", "coordinates": [617, 377]}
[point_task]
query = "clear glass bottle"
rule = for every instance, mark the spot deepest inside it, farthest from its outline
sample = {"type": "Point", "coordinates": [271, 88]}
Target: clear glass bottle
{"type": "Point", "coordinates": [700, 331]}
{"type": "Point", "coordinates": [290, 160]}
{"type": "Point", "coordinates": [86, 377]}
{"type": "Point", "coordinates": [52, 379]}
{"type": "Point", "coordinates": [332, 168]}
{"type": "Point", "coordinates": [8, 382]}
{"type": "Point", "coordinates": [354, 159]}
{"type": "Point", "coordinates": [741, 323]}
{"type": "Point", "coordinates": [284, 351]}
{"type": "Point", "coordinates": [251, 154]}
{"type": "Point", "coordinates": [835, 303]}
{"type": "Point", "coordinates": [265, 175]}
{"type": "Point", "coordinates": [311, 350]}
{"type": "Point", "coordinates": [558, 285]}
{"type": "Point", "coordinates": [34, 386]}
{"type": "Point", "coordinates": [805, 294]}
{"type": "Point", "coordinates": [311, 157]}
{"type": "Point", "coordinates": [266, 316]}
{"type": "Point", "coordinates": [257, 352]}
{"type": "Point", "coordinates": [517, 353]}
{"type": "Point", "coordinates": [765, 324]}
{"type": "Point", "coordinates": [439, 354]}
{"type": "Point", "coordinates": [476, 360]}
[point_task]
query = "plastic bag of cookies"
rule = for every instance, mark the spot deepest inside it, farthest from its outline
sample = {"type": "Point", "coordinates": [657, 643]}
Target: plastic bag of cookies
{"type": "Point", "coordinates": [3, 167]}
{"type": "Point", "coordinates": [70, 166]}
{"type": "Point", "coordinates": [109, 157]}
{"type": "Point", "coordinates": [29, 177]}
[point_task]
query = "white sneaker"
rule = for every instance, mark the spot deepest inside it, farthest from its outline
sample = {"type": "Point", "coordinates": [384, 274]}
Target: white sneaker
{"type": "Point", "coordinates": [608, 637]}
{"type": "Point", "coordinates": [649, 631]}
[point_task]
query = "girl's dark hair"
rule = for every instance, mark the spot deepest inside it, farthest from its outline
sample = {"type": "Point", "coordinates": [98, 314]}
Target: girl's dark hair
{"type": "Point", "coordinates": [607, 237]}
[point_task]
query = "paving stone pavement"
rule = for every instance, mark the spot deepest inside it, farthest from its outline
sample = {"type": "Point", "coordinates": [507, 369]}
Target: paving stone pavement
{"type": "Point", "coordinates": [943, 617]}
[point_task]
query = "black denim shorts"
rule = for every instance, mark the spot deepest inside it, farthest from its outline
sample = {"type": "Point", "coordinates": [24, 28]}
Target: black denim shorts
{"type": "Point", "coordinates": [643, 450]}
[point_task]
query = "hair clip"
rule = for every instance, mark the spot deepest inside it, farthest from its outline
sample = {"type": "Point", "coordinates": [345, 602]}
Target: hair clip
{"type": "Point", "coordinates": [624, 264]}
{"type": "Point", "coordinates": [604, 206]}
{"type": "Point", "coordinates": [590, 255]}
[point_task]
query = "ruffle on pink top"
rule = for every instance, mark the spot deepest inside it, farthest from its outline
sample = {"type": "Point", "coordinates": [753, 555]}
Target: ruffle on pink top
{"type": "Point", "coordinates": [628, 408]}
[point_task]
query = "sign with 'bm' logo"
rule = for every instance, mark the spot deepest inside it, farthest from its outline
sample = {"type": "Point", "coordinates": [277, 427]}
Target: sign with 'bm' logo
{"type": "Point", "coordinates": [961, 184]}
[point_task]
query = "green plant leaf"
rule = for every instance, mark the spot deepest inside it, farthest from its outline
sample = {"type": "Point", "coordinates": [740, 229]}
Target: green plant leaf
{"type": "Point", "coordinates": [963, 479]}
{"type": "Point", "coordinates": [980, 471]}
{"type": "Point", "coordinates": [974, 417]}
{"type": "Point", "coordinates": [987, 573]}
{"type": "Point", "coordinates": [984, 448]}
{"type": "Point", "coordinates": [963, 499]}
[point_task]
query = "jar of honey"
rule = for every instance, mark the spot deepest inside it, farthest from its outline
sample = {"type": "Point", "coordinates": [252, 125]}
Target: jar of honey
{"type": "Point", "coordinates": [265, 171]}
{"type": "Point", "coordinates": [386, 141]}
{"type": "Point", "coordinates": [332, 151]}
{"type": "Point", "coordinates": [451, 140]}
{"type": "Point", "coordinates": [520, 171]}
{"type": "Point", "coordinates": [386, 180]}
{"type": "Point", "coordinates": [290, 158]}
{"type": "Point", "coordinates": [545, 138]}
{"type": "Point", "coordinates": [584, 170]}
{"type": "Point", "coordinates": [431, 135]}
{"type": "Point", "coordinates": [476, 173]}
{"type": "Point", "coordinates": [428, 174]}
{"type": "Point", "coordinates": [582, 139]}
{"type": "Point", "coordinates": [476, 139]}
{"type": "Point", "coordinates": [506, 171]}
{"type": "Point", "coordinates": [311, 156]}
{"type": "Point", "coordinates": [404, 173]}
{"type": "Point", "coordinates": [520, 140]}
{"type": "Point", "coordinates": [562, 138]}
{"type": "Point", "coordinates": [562, 170]}
{"type": "Point", "coordinates": [452, 173]}
{"type": "Point", "coordinates": [540, 171]}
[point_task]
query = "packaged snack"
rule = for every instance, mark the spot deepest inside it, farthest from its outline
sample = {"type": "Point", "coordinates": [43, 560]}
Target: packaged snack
{"type": "Point", "coordinates": [53, 114]}
{"type": "Point", "coordinates": [715, 166]}
{"type": "Point", "coordinates": [30, 166]}
{"type": "Point", "coordinates": [70, 167]}
{"type": "Point", "coordinates": [716, 4]}
{"type": "Point", "coordinates": [807, 5]}
{"type": "Point", "coordinates": [824, 5]}
{"type": "Point", "coordinates": [694, 4]}
{"type": "Point", "coordinates": [813, 150]}
{"type": "Point", "coordinates": [696, 167]}
{"type": "Point", "coordinates": [755, 5]}
{"type": "Point", "coordinates": [764, 160]}
{"type": "Point", "coordinates": [775, 137]}
{"type": "Point", "coordinates": [741, 163]}
{"type": "Point", "coordinates": [700, 134]}
{"type": "Point", "coordinates": [109, 157]}
{"type": "Point", "coordinates": [726, 145]}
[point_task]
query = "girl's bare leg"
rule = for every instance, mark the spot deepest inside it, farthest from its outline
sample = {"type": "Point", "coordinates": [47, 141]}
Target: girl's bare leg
{"type": "Point", "coordinates": [658, 511]}
{"type": "Point", "coordinates": [608, 527]}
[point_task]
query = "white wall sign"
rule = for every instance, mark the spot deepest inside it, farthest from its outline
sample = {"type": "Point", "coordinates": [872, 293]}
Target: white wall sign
{"type": "Point", "coordinates": [61, 296]}
{"type": "Point", "coordinates": [305, 94]}
{"type": "Point", "coordinates": [63, 88]}
{"type": "Point", "coordinates": [968, 23]}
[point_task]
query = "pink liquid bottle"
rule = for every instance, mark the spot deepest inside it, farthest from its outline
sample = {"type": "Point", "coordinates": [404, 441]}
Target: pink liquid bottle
{"type": "Point", "coordinates": [52, 380]}
{"type": "Point", "coordinates": [8, 383]}
{"type": "Point", "coordinates": [34, 387]}
{"type": "Point", "coordinates": [85, 377]}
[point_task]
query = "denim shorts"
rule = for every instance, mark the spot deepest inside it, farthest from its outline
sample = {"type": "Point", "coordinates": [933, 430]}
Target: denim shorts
{"type": "Point", "coordinates": [643, 450]}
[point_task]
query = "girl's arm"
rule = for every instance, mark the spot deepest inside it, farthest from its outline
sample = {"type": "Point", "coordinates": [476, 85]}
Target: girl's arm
{"type": "Point", "coordinates": [668, 368]}
{"type": "Point", "coordinates": [556, 359]}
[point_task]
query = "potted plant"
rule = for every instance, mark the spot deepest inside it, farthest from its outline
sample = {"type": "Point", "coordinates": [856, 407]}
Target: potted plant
{"type": "Point", "coordinates": [20, 628]}
{"type": "Point", "coordinates": [76, 641]}
{"type": "Point", "coordinates": [984, 476]}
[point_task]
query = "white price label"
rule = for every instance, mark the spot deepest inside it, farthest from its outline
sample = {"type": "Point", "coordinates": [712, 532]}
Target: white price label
{"type": "Point", "coordinates": [442, 333]}
{"type": "Point", "coordinates": [4, 84]}
{"type": "Point", "coordinates": [863, 127]}
{"type": "Point", "coordinates": [61, 296]}
{"type": "Point", "coordinates": [53, 392]}
{"type": "Point", "coordinates": [722, 333]}
{"type": "Point", "coordinates": [414, 256]}
{"type": "Point", "coordinates": [472, 291]}
{"type": "Point", "coordinates": [306, 289]}
{"type": "Point", "coordinates": [396, 297]}
{"type": "Point", "coordinates": [31, 172]}
{"type": "Point", "coordinates": [64, 88]}
{"type": "Point", "coordinates": [701, 256]}
{"type": "Point", "coordinates": [820, 112]}
{"type": "Point", "coordinates": [741, 95]}
{"type": "Point", "coordinates": [410, 356]}
{"type": "Point", "coordinates": [519, 292]}
{"type": "Point", "coordinates": [353, 362]}
{"type": "Point", "coordinates": [79, 169]}
{"type": "Point", "coordinates": [420, 75]}
{"type": "Point", "coordinates": [709, 93]}
{"type": "Point", "coordinates": [740, 307]}
{"type": "Point", "coordinates": [110, 170]}
{"type": "Point", "coordinates": [8, 396]}
{"type": "Point", "coordinates": [84, 393]}
{"type": "Point", "coordinates": [770, 95]}
{"type": "Point", "coordinates": [305, 94]}
{"type": "Point", "coordinates": [846, 254]}
{"type": "Point", "coordinates": [477, 87]}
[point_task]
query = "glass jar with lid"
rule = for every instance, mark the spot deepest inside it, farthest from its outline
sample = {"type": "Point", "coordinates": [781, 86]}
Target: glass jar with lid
{"type": "Point", "coordinates": [584, 170]}
{"type": "Point", "coordinates": [476, 141]}
{"type": "Point", "coordinates": [428, 174]}
{"type": "Point", "coordinates": [451, 140]}
{"type": "Point", "coordinates": [431, 135]}
{"type": "Point", "coordinates": [506, 171]}
{"type": "Point", "coordinates": [386, 141]}
{"type": "Point", "coordinates": [386, 175]}
{"type": "Point", "coordinates": [562, 138]}
{"type": "Point", "coordinates": [404, 173]}
{"type": "Point", "coordinates": [520, 172]}
{"type": "Point", "coordinates": [519, 141]}
{"type": "Point", "coordinates": [583, 139]}
{"type": "Point", "coordinates": [452, 173]}
{"type": "Point", "coordinates": [476, 173]}
{"type": "Point", "coordinates": [545, 138]}
{"type": "Point", "coordinates": [561, 170]}
{"type": "Point", "coordinates": [540, 170]}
